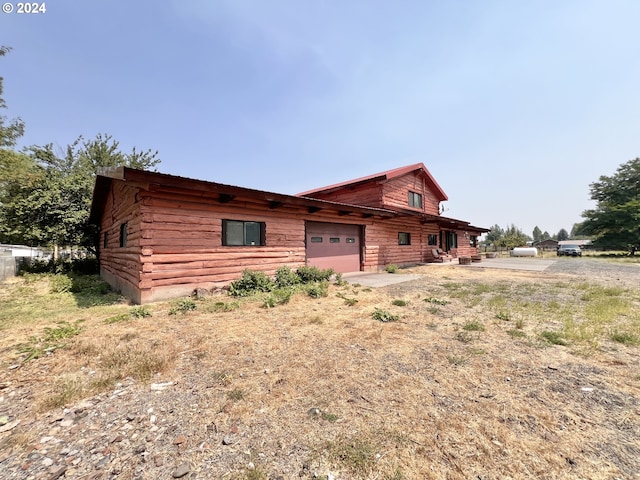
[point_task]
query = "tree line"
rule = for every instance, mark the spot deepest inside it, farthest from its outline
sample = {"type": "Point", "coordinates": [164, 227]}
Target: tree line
{"type": "Point", "coordinates": [512, 236]}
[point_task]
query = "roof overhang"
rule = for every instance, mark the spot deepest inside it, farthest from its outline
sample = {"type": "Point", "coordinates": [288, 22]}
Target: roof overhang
{"type": "Point", "coordinates": [154, 181]}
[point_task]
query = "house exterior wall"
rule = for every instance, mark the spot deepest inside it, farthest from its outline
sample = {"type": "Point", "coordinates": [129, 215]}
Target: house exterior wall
{"type": "Point", "coordinates": [368, 195]}
{"type": "Point", "coordinates": [175, 239]}
{"type": "Point", "coordinates": [121, 266]}
{"type": "Point", "coordinates": [395, 193]}
{"type": "Point", "coordinates": [382, 248]}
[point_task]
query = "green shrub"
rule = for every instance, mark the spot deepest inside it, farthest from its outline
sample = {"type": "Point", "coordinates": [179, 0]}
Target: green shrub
{"type": "Point", "coordinates": [251, 282]}
{"type": "Point", "coordinates": [183, 306]}
{"type": "Point", "coordinates": [384, 316]}
{"type": "Point", "coordinates": [503, 316]}
{"type": "Point", "coordinates": [314, 274]}
{"type": "Point", "coordinates": [286, 277]}
{"type": "Point", "coordinates": [60, 283]}
{"type": "Point", "coordinates": [391, 268]}
{"type": "Point", "coordinates": [473, 326]}
{"type": "Point", "coordinates": [554, 338]}
{"type": "Point", "coordinates": [225, 307]}
{"type": "Point", "coordinates": [81, 266]}
{"type": "Point", "coordinates": [339, 281]}
{"type": "Point", "coordinates": [400, 303]}
{"type": "Point", "coordinates": [279, 296]}
{"type": "Point", "coordinates": [435, 301]}
{"type": "Point", "coordinates": [90, 285]}
{"type": "Point", "coordinates": [317, 290]}
{"type": "Point", "coordinates": [625, 338]}
{"type": "Point", "coordinates": [140, 312]}
{"type": "Point", "coordinates": [123, 317]}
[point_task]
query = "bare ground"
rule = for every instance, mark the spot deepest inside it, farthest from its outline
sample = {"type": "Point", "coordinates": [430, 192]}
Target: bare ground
{"type": "Point", "coordinates": [318, 389]}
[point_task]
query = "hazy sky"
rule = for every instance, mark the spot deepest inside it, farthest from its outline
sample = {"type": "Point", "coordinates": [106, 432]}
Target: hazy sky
{"type": "Point", "coordinates": [515, 107]}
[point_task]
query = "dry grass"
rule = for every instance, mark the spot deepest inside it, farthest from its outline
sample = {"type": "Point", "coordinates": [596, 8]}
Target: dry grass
{"type": "Point", "coordinates": [448, 391]}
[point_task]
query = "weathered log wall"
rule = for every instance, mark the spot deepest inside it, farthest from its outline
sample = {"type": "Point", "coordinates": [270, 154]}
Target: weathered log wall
{"type": "Point", "coordinates": [396, 193]}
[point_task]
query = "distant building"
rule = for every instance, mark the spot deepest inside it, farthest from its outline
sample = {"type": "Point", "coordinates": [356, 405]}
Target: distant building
{"type": "Point", "coordinates": [22, 251]}
{"type": "Point", "coordinates": [548, 244]}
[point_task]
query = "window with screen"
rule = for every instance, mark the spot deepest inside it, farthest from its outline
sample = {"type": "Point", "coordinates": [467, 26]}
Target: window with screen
{"type": "Point", "coordinates": [415, 200]}
{"type": "Point", "coordinates": [404, 238]}
{"type": "Point", "coordinates": [242, 233]}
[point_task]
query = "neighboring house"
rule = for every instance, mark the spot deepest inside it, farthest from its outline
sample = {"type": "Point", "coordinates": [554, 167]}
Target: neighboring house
{"type": "Point", "coordinates": [22, 251]}
{"type": "Point", "coordinates": [163, 236]}
{"type": "Point", "coordinates": [547, 244]}
{"type": "Point", "coordinates": [11, 256]}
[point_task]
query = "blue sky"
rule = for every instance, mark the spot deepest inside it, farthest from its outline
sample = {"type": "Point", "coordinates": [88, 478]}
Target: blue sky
{"type": "Point", "coordinates": [514, 107]}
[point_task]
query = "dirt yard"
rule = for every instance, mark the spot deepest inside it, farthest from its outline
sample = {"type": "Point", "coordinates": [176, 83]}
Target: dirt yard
{"type": "Point", "coordinates": [484, 374]}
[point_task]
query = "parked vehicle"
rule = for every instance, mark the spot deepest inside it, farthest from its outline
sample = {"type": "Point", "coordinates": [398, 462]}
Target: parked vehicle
{"type": "Point", "coordinates": [569, 251]}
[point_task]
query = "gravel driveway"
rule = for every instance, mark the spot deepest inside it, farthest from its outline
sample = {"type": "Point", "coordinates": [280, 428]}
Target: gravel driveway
{"type": "Point", "coordinates": [622, 274]}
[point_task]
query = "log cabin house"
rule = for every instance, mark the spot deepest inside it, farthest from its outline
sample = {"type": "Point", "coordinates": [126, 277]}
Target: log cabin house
{"type": "Point", "coordinates": [163, 236]}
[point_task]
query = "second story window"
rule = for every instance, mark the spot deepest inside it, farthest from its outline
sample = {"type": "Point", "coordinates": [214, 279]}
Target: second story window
{"type": "Point", "coordinates": [415, 200]}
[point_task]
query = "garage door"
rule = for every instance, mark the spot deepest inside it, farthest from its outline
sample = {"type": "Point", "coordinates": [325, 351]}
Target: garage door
{"type": "Point", "coordinates": [333, 245]}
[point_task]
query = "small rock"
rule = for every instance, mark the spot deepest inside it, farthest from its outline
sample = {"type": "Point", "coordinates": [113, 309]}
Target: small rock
{"type": "Point", "coordinates": [179, 440]}
{"type": "Point", "coordinates": [140, 449]}
{"type": "Point", "coordinates": [103, 462]}
{"type": "Point", "coordinates": [47, 462]}
{"type": "Point", "coordinates": [67, 422]}
{"type": "Point", "coordinates": [227, 440]}
{"type": "Point", "coordinates": [251, 466]}
{"type": "Point", "coordinates": [160, 386]}
{"type": "Point", "coordinates": [57, 472]}
{"type": "Point", "coordinates": [158, 461]}
{"type": "Point", "coordinates": [182, 470]}
{"type": "Point", "coordinates": [313, 412]}
{"type": "Point", "coordinates": [9, 426]}
{"type": "Point", "coordinates": [131, 417]}
{"type": "Point", "coordinates": [587, 389]}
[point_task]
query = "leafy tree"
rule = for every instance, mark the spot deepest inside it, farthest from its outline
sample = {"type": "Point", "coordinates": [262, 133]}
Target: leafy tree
{"type": "Point", "coordinates": [615, 222]}
{"type": "Point", "coordinates": [494, 234]}
{"type": "Point", "coordinates": [562, 235]}
{"type": "Point", "coordinates": [512, 237]}
{"type": "Point", "coordinates": [537, 234]}
{"type": "Point", "coordinates": [546, 236]}
{"type": "Point", "coordinates": [53, 207]}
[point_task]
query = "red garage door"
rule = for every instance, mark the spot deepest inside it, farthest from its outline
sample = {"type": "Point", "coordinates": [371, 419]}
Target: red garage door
{"type": "Point", "coordinates": [333, 245]}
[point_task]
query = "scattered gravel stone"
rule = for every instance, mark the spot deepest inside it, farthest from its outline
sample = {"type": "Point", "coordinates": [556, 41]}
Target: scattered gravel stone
{"type": "Point", "coordinates": [182, 470]}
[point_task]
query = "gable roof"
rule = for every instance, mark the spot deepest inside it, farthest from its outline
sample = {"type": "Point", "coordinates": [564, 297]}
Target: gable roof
{"type": "Point", "coordinates": [383, 176]}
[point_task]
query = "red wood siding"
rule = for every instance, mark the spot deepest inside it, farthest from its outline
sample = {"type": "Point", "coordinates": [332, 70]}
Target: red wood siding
{"type": "Point", "coordinates": [121, 266]}
{"type": "Point", "coordinates": [395, 193]}
{"type": "Point", "coordinates": [368, 195]}
{"type": "Point", "coordinates": [388, 193]}
{"type": "Point", "coordinates": [175, 234]}
{"type": "Point", "coordinates": [381, 243]}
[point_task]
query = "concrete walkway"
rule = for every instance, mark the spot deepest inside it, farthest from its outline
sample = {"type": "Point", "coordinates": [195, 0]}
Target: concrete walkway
{"type": "Point", "coordinates": [372, 279]}
{"type": "Point", "coordinates": [511, 263]}
{"type": "Point", "coordinates": [369, 279]}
